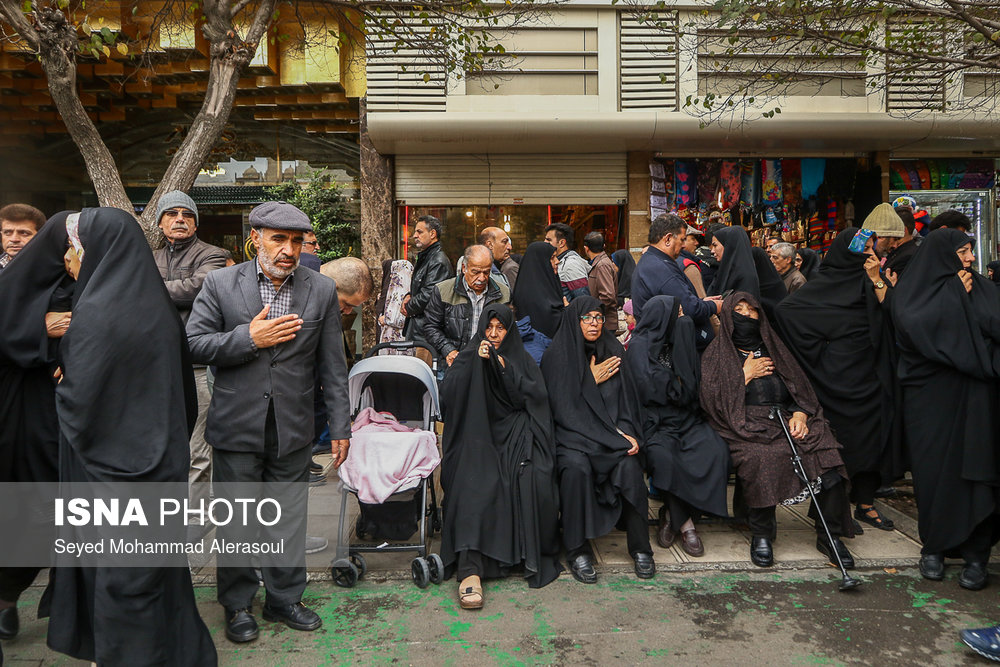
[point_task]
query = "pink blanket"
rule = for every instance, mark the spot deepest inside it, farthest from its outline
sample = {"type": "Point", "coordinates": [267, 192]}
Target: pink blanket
{"type": "Point", "coordinates": [387, 457]}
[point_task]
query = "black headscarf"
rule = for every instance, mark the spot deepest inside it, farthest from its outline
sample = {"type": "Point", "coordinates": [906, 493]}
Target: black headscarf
{"type": "Point", "coordinates": [736, 268]}
{"type": "Point", "coordinates": [839, 332]}
{"type": "Point", "coordinates": [127, 401]}
{"type": "Point", "coordinates": [498, 470]}
{"type": "Point", "coordinates": [772, 287]}
{"type": "Point", "coordinates": [810, 262]}
{"type": "Point", "coordinates": [935, 317]}
{"type": "Point", "coordinates": [537, 292]}
{"type": "Point", "coordinates": [626, 267]}
{"type": "Point", "coordinates": [661, 329]}
{"type": "Point", "coordinates": [995, 268]}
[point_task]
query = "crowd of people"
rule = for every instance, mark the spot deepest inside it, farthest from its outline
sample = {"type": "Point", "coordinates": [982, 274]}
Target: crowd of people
{"type": "Point", "coordinates": [574, 387]}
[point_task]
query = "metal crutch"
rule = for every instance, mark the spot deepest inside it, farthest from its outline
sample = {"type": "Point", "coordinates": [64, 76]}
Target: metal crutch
{"type": "Point", "coordinates": [848, 582]}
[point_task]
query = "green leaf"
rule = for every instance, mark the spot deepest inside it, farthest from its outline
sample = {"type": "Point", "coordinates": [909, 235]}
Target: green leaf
{"type": "Point", "coordinates": [427, 77]}
{"type": "Point", "coordinates": [26, 7]}
{"type": "Point", "coordinates": [109, 37]}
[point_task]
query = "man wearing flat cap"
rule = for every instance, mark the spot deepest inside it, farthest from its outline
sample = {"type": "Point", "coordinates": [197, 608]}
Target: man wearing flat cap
{"type": "Point", "coordinates": [266, 325]}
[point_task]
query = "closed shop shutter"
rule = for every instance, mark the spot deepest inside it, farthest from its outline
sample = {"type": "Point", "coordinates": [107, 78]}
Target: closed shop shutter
{"type": "Point", "coordinates": [431, 180]}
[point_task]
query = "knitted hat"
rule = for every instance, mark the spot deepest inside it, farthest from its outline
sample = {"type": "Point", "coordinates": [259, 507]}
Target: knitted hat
{"type": "Point", "coordinates": [175, 199]}
{"type": "Point", "coordinates": [884, 221]}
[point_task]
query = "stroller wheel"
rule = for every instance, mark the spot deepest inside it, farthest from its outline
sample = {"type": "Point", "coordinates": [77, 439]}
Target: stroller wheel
{"type": "Point", "coordinates": [359, 562]}
{"type": "Point", "coordinates": [436, 568]}
{"type": "Point", "coordinates": [421, 572]}
{"type": "Point", "coordinates": [344, 573]}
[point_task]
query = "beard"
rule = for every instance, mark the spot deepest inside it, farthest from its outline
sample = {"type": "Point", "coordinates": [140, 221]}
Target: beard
{"type": "Point", "coordinates": [272, 270]}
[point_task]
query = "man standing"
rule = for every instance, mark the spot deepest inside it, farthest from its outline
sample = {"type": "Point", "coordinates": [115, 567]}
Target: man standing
{"type": "Point", "coordinates": [310, 252]}
{"type": "Point", "coordinates": [355, 285]}
{"type": "Point", "coordinates": [432, 266]}
{"type": "Point", "coordinates": [455, 306]}
{"type": "Point", "coordinates": [499, 244]}
{"type": "Point", "coordinates": [658, 273]}
{"type": "Point", "coordinates": [266, 325]}
{"type": "Point", "coordinates": [18, 224]}
{"type": "Point", "coordinates": [602, 280]}
{"type": "Point", "coordinates": [573, 269]}
{"type": "Point", "coordinates": [783, 257]}
{"type": "Point", "coordinates": [184, 261]}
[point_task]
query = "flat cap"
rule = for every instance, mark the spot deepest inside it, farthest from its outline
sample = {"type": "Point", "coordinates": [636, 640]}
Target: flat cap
{"type": "Point", "coordinates": [280, 215]}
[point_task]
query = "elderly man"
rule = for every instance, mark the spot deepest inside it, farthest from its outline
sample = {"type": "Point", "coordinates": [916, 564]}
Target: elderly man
{"type": "Point", "coordinates": [18, 224]}
{"type": "Point", "coordinates": [266, 325]}
{"type": "Point", "coordinates": [355, 285]}
{"type": "Point", "coordinates": [455, 305]}
{"type": "Point", "coordinates": [184, 261]}
{"type": "Point", "coordinates": [431, 267]}
{"type": "Point", "coordinates": [573, 269]}
{"type": "Point", "coordinates": [783, 257]}
{"type": "Point", "coordinates": [602, 280]}
{"type": "Point", "coordinates": [499, 244]}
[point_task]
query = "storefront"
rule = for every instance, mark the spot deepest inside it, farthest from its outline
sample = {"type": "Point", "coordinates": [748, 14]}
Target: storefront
{"type": "Point", "coordinates": [521, 194]}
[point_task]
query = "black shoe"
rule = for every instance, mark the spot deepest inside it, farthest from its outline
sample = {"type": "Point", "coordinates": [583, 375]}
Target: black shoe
{"type": "Point", "coordinates": [645, 567]}
{"type": "Point", "coordinates": [582, 568]}
{"type": "Point", "coordinates": [315, 467]}
{"type": "Point", "coordinates": [316, 480]}
{"type": "Point", "coordinates": [932, 567]}
{"type": "Point", "coordinates": [296, 616]}
{"type": "Point", "coordinates": [761, 553]}
{"type": "Point", "coordinates": [10, 624]}
{"type": "Point", "coordinates": [322, 448]}
{"type": "Point", "coordinates": [974, 576]}
{"type": "Point", "coordinates": [241, 626]}
{"type": "Point", "coordinates": [845, 556]}
{"type": "Point", "coordinates": [880, 521]}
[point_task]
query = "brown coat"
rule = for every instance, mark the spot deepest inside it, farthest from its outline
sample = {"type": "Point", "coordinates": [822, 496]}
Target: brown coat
{"type": "Point", "coordinates": [793, 280]}
{"type": "Point", "coordinates": [603, 283]}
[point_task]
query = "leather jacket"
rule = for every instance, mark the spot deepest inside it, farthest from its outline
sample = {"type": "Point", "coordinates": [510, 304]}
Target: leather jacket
{"type": "Point", "coordinates": [432, 266]}
{"type": "Point", "coordinates": [183, 266]}
{"type": "Point", "coordinates": [449, 324]}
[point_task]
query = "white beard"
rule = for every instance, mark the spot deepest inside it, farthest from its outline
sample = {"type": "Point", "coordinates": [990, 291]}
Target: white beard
{"type": "Point", "coordinates": [271, 269]}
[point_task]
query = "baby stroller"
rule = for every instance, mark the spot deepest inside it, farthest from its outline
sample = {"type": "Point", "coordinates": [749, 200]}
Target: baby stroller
{"type": "Point", "coordinates": [406, 387]}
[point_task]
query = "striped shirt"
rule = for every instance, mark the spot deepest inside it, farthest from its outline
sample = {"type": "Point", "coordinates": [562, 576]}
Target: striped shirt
{"type": "Point", "coordinates": [279, 299]}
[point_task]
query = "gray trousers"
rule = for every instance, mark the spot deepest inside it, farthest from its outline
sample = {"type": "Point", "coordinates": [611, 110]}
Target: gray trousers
{"type": "Point", "coordinates": [200, 472]}
{"type": "Point", "coordinates": [237, 586]}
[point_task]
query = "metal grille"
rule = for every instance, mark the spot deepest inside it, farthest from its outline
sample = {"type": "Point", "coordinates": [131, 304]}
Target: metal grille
{"type": "Point", "coordinates": [406, 76]}
{"type": "Point", "coordinates": [913, 84]}
{"type": "Point", "coordinates": [648, 43]}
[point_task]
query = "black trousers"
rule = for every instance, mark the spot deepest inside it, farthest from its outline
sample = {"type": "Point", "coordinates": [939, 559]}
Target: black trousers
{"type": "Point", "coordinates": [976, 548]}
{"type": "Point", "coordinates": [469, 563]}
{"type": "Point", "coordinates": [636, 527]}
{"type": "Point", "coordinates": [863, 487]}
{"type": "Point", "coordinates": [237, 585]}
{"type": "Point", "coordinates": [16, 580]}
{"type": "Point", "coordinates": [831, 500]}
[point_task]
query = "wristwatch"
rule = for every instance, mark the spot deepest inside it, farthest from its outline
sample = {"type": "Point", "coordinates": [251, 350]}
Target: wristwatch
{"type": "Point", "coordinates": [879, 285]}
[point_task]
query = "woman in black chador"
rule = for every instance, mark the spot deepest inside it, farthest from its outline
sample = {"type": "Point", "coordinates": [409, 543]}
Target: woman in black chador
{"type": "Point", "coordinates": [743, 270]}
{"type": "Point", "coordinates": [501, 505]}
{"type": "Point", "coordinates": [598, 425]}
{"type": "Point", "coordinates": [541, 297]}
{"type": "Point", "coordinates": [126, 405]}
{"type": "Point", "coordinates": [747, 374]}
{"type": "Point", "coordinates": [839, 328]}
{"type": "Point", "coordinates": [684, 457]}
{"type": "Point", "coordinates": [947, 320]}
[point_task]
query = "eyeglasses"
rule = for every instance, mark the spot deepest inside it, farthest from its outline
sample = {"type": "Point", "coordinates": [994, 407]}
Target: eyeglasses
{"type": "Point", "coordinates": [587, 319]}
{"type": "Point", "coordinates": [179, 213]}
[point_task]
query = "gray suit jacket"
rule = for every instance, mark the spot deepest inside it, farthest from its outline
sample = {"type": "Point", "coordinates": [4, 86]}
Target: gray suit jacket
{"type": "Point", "coordinates": [218, 333]}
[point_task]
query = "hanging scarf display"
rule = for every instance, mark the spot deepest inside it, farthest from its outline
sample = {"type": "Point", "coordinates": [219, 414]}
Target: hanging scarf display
{"type": "Point", "coordinates": [685, 183]}
{"type": "Point", "coordinates": [791, 182]}
{"type": "Point", "coordinates": [812, 172]}
{"type": "Point", "coordinates": [749, 183]}
{"type": "Point", "coordinates": [771, 182]}
{"type": "Point", "coordinates": [708, 181]}
{"type": "Point", "coordinates": [729, 183]}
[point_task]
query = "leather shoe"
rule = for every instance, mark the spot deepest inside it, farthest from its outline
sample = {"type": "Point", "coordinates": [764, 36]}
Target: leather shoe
{"type": "Point", "coordinates": [645, 567]}
{"type": "Point", "coordinates": [582, 568]}
{"type": "Point", "coordinates": [10, 624]}
{"type": "Point", "coordinates": [665, 534]}
{"type": "Point", "coordinates": [845, 556]}
{"type": "Point", "coordinates": [296, 616]}
{"type": "Point", "coordinates": [974, 576]}
{"type": "Point", "coordinates": [316, 480]}
{"type": "Point", "coordinates": [241, 626]}
{"type": "Point", "coordinates": [761, 553]}
{"type": "Point", "coordinates": [692, 544]}
{"type": "Point", "coordinates": [932, 567]}
{"type": "Point", "coordinates": [315, 467]}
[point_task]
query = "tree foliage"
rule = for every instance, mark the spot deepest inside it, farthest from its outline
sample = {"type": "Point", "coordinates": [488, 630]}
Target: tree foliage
{"type": "Point", "coordinates": [333, 218]}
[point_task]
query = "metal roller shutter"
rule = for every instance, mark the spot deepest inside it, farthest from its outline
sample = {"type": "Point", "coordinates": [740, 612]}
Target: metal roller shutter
{"type": "Point", "coordinates": [595, 178]}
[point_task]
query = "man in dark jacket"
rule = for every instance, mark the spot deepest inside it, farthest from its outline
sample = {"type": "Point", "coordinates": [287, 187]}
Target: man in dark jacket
{"type": "Point", "coordinates": [658, 273]}
{"type": "Point", "coordinates": [455, 305]}
{"type": "Point", "coordinates": [432, 266]}
{"type": "Point", "coordinates": [901, 250]}
{"type": "Point", "coordinates": [184, 261]}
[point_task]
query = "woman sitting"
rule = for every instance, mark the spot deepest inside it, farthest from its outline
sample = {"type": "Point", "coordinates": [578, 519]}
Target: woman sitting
{"type": "Point", "coordinates": [686, 460]}
{"type": "Point", "coordinates": [747, 375]}
{"type": "Point", "coordinates": [597, 426]}
{"type": "Point", "coordinates": [501, 505]}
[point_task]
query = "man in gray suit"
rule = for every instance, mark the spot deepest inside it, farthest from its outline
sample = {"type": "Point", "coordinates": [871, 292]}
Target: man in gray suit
{"type": "Point", "coordinates": [266, 325]}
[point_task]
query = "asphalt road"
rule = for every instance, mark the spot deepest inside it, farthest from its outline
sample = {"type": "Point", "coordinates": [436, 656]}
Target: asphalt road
{"type": "Point", "coordinates": [706, 618]}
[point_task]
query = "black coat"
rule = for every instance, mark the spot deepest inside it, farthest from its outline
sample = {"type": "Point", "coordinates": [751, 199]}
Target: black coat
{"type": "Point", "coordinates": [431, 267]}
{"type": "Point", "coordinates": [448, 324]}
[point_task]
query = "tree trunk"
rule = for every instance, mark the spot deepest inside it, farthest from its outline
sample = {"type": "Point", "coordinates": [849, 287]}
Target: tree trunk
{"type": "Point", "coordinates": [377, 198]}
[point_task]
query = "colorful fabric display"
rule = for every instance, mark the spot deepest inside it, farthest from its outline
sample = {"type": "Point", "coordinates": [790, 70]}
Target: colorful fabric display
{"type": "Point", "coordinates": [749, 183]}
{"type": "Point", "coordinates": [770, 177]}
{"type": "Point", "coordinates": [708, 181]}
{"type": "Point", "coordinates": [729, 183]}
{"type": "Point", "coordinates": [791, 181]}
{"type": "Point", "coordinates": [685, 183]}
{"type": "Point", "coordinates": [813, 171]}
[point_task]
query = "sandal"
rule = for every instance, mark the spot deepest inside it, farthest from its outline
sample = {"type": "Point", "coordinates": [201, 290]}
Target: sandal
{"type": "Point", "coordinates": [470, 597]}
{"type": "Point", "coordinates": [880, 521]}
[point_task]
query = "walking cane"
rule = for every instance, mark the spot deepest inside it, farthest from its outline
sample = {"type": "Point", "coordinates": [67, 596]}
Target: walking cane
{"type": "Point", "coordinates": [848, 582]}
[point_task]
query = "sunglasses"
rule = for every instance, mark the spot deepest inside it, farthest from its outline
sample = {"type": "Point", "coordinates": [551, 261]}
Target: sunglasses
{"type": "Point", "coordinates": [179, 213]}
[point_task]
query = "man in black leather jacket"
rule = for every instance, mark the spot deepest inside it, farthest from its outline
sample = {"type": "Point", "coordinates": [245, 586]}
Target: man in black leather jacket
{"type": "Point", "coordinates": [432, 266]}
